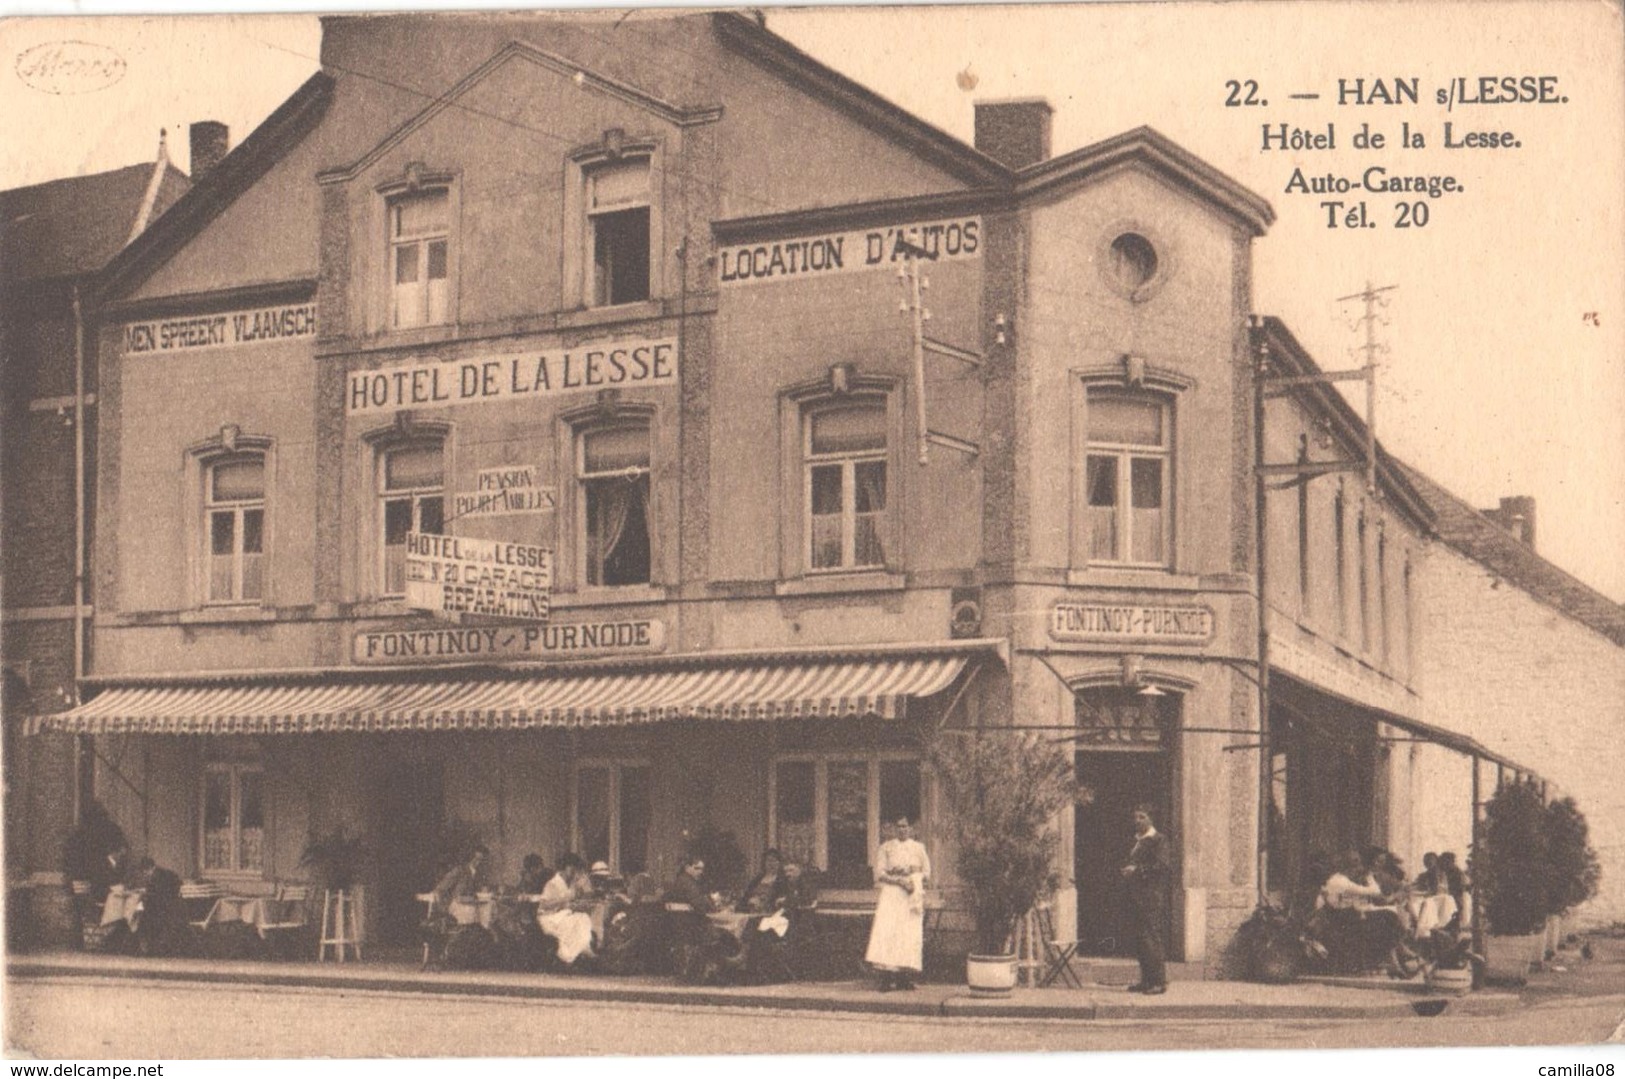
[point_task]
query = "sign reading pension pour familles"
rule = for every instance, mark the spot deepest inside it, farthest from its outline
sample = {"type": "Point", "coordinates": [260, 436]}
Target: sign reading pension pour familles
{"type": "Point", "coordinates": [844, 252]}
{"type": "Point", "coordinates": [459, 575]}
{"type": "Point", "coordinates": [1127, 621]}
{"type": "Point", "coordinates": [513, 376]}
{"type": "Point", "coordinates": [505, 492]}
{"type": "Point", "coordinates": [226, 330]}
{"type": "Point", "coordinates": [555, 640]}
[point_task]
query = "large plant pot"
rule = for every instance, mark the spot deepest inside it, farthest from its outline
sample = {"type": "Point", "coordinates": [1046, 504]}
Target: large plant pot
{"type": "Point", "coordinates": [1456, 983]}
{"type": "Point", "coordinates": [990, 974]}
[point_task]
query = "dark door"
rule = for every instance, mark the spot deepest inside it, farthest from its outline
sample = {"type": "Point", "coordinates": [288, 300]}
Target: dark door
{"type": "Point", "coordinates": [410, 810]}
{"type": "Point", "coordinates": [1103, 834]}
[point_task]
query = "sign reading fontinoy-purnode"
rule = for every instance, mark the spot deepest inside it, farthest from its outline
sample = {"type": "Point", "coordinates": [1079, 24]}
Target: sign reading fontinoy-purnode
{"type": "Point", "coordinates": [481, 379]}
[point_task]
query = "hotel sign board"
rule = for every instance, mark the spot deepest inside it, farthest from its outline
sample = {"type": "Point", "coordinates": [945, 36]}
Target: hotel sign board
{"type": "Point", "coordinates": [555, 640]}
{"type": "Point", "coordinates": [513, 376]}
{"type": "Point", "coordinates": [459, 575]}
{"type": "Point", "coordinates": [846, 252]}
{"type": "Point", "coordinates": [194, 333]}
{"type": "Point", "coordinates": [1073, 621]}
{"type": "Point", "coordinates": [505, 492]}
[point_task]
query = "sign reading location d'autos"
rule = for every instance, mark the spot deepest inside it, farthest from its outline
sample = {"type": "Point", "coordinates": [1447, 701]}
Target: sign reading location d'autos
{"type": "Point", "coordinates": [459, 575]}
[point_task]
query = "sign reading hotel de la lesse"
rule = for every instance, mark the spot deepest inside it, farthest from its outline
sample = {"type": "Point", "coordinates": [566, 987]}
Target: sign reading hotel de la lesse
{"type": "Point", "coordinates": [460, 575]}
{"type": "Point", "coordinates": [513, 376]}
{"type": "Point", "coordinates": [1073, 621]}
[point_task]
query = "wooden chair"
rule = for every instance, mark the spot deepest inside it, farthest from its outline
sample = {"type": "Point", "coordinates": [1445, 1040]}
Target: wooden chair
{"type": "Point", "coordinates": [286, 910]}
{"type": "Point", "coordinates": [199, 898]}
{"type": "Point", "coordinates": [1058, 954]}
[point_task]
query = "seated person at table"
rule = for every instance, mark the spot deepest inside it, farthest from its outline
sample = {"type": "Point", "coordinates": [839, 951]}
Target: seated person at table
{"type": "Point", "coordinates": [1371, 930]}
{"type": "Point", "coordinates": [767, 893]}
{"type": "Point", "coordinates": [461, 881]}
{"type": "Point", "coordinates": [686, 888]}
{"type": "Point", "coordinates": [533, 875]}
{"type": "Point", "coordinates": [563, 911]}
{"type": "Point", "coordinates": [162, 929]}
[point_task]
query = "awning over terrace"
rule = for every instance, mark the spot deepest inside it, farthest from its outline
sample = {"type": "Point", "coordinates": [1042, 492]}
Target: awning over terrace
{"type": "Point", "coordinates": [741, 687]}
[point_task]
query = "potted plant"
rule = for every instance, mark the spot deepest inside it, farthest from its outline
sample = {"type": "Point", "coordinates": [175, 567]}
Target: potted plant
{"type": "Point", "coordinates": [1003, 790]}
{"type": "Point", "coordinates": [1451, 969]}
{"type": "Point", "coordinates": [335, 857]}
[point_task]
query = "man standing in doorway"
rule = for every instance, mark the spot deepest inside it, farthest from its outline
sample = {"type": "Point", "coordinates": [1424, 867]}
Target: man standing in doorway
{"type": "Point", "coordinates": [1147, 875]}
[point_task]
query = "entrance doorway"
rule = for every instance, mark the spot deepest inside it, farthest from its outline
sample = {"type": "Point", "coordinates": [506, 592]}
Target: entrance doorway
{"type": "Point", "coordinates": [1124, 760]}
{"type": "Point", "coordinates": [409, 807]}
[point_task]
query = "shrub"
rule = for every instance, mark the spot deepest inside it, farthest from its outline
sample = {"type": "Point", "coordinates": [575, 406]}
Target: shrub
{"type": "Point", "coordinates": [1535, 860]}
{"type": "Point", "coordinates": [1003, 790]}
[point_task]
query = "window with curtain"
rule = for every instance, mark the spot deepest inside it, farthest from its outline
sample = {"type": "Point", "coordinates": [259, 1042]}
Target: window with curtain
{"type": "Point", "coordinates": [234, 513]}
{"type": "Point", "coordinates": [618, 222]}
{"type": "Point", "coordinates": [420, 257]}
{"type": "Point", "coordinates": [1127, 478]}
{"type": "Point", "coordinates": [846, 486]}
{"type": "Point", "coordinates": [411, 496]}
{"type": "Point", "coordinates": [829, 811]}
{"type": "Point", "coordinates": [232, 823]}
{"type": "Point", "coordinates": [613, 476]}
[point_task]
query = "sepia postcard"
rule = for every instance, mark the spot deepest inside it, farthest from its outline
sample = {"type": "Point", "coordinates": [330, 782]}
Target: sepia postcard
{"type": "Point", "coordinates": [753, 535]}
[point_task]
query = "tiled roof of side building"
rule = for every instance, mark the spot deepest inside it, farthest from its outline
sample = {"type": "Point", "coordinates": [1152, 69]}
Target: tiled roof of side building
{"type": "Point", "coordinates": [73, 226]}
{"type": "Point", "coordinates": [1499, 551]}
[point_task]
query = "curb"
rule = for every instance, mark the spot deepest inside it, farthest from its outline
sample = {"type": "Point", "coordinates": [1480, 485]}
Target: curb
{"type": "Point", "coordinates": [957, 1004]}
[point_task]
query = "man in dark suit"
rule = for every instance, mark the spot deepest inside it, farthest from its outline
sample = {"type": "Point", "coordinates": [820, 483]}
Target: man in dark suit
{"type": "Point", "coordinates": [1147, 873]}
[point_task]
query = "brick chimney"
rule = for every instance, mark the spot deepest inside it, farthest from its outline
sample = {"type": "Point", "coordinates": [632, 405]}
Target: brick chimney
{"type": "Point", "coordinates": [1014, 133]}
{"type": "Point", "coordinates": [210, 141]}
{"type": "Point", "coordinates": [1517, 515]}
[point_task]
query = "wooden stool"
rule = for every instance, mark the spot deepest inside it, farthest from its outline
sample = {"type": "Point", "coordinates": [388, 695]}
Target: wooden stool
{"type": "Point", "coordinates": [1030, 958]}
{"type": "Point", "coordinates": [339, 929]}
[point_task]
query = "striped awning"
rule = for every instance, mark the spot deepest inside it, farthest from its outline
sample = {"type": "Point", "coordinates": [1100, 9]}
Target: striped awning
{"type": "Point", "coordinates": [517, 701]}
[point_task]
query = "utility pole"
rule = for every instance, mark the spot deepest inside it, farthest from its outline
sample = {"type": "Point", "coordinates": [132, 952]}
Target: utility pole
{"type": "Point", "coordinates": [1372, 298]}
{"type": "Point", "coordinates": [915, 305]}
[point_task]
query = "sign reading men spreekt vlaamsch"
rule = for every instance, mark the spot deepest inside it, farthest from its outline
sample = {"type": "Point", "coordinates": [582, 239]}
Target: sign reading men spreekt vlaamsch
{"type": "Point", "coordinates": [511, 376]}
{"type": "Point", "coordinates": [843, 252]}
{"type": "Point", "coordinates": [228, 329]}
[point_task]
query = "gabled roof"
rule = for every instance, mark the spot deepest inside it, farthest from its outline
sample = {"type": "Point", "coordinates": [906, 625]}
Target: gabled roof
{"type": "Point", "coordinates": [1146, 146]}
{"type": "Point", "coordinates": [75, 226]}
{"type": "Point", "coordinates": [1503, 554]}
{"type": "Point", "coordinates": [235, 173]}
{"type": "Point", "coordinates": [523, 50]}
{"type": "Point", "coordinates": [749, 38]}
{"type": "Point", "coordinates": [1291, 358]}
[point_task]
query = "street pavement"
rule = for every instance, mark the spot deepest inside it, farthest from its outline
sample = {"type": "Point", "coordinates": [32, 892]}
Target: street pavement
{"type": "Point", "coordinates": [77, 1006]}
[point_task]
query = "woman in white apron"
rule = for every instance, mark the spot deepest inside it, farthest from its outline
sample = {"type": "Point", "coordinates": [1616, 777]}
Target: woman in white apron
{"type": "Point", "coordinates": [897, 939]}
{"type": "Point", "coordinates": [557, 912]}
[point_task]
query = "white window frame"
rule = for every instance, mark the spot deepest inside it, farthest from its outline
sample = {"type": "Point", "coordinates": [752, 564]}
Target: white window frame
{"type": "Point", "coordinates": [237, 508]}
{"type": "Point", "coordinates": [593, 289]}
{"type": "Point", "coordinates": [821, 762]}
{"type": "Point", "coordinates": [1125, 454]}
{"type": "Point", "coordinates": [615, 765]}
{"type": "Point", "coordinates": [417, 495]}
{"type": "Point", "coordinates": [236, 770]}
{"type": "Point", "coordinates": [423, 242]}
{"type": "Point", "coordinates": [584, 479]}
{"type": "Point", "coordinates": [848, 461]}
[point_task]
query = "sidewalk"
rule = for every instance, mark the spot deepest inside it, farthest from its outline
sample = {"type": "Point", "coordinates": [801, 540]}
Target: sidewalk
{"type": "Point", "coordinates": [1184, 1000]}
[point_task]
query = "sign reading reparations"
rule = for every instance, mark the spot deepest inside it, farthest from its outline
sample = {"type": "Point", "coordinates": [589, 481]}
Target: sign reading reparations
{"type": "Point", "coordinates": [479, 379]}
{"type": "Point", "coordinates": [455, 574]}
{"type": "Point", "coordinates": [1130, 622]}
{"type": "Point", "coordinates": [505, 492]}
{"type": "Point", "coordinates": [194, 333]}
{"type": "Point", "coordinates": [844, 252]}
{"type": "Point", "coordinates": [552, 641]}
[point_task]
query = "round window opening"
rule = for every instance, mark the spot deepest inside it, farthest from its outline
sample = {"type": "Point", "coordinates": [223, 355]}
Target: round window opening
{"type": "Point", "coordinates": [1134, 260]}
